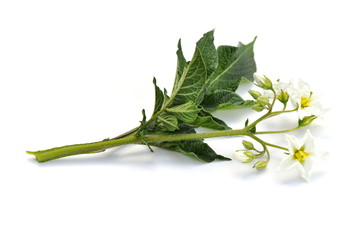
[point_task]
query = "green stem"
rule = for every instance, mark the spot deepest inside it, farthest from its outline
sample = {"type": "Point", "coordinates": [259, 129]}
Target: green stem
{"type": "Point", "coordinates": [269, 115]}
{"type": "Point", "coordinates": [263, 143]}
{"type": "Point", "coordinates": [281, 131]}
{"type": "Point", "coordinates": [70, 150]}
{"type": "Point", "coordinates": [126, 134]}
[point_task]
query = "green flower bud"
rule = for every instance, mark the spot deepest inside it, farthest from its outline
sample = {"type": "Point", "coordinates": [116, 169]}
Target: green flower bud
{"type": "Point", "coordinates": [262, 81]}
{"type": "Point", "coordinates": [247, 145]}
{"type": "Point", "coordinates": [283, 97]}
{"type": "Point", "coordinates": [244, 156]}
{"type": "Point", "coordinates": [306, 120]}
{"type": "Point", "coordinates": [258, 107]}
{"type": "Point", "coordinates": [260, 165]}
{"type": "Point", "coordinates": [255, 94]}
{"type": "Point", "coordinates": [263, 100]}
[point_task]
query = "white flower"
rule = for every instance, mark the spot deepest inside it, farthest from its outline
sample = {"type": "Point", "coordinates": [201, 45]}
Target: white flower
{"type": "Point", "coordinates": [301, 155]}
{"type": "Point", "coordinates": [307, 102]}
{"type": "Point", "coordinates": [243, 156]}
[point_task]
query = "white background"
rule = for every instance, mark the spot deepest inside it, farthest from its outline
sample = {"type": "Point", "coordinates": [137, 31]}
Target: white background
{"type": "Point", "coordinates": [80, 71]}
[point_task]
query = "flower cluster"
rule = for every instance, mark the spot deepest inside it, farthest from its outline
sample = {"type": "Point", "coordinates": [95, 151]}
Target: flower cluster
{"type": "Point", "coordinates": [299, 154]}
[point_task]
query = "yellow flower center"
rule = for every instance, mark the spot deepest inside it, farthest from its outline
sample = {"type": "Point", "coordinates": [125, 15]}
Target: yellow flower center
{"type": "Point", "coordinates": [305, 102]}
{"type": "Point", "coordinates": [300, 155]}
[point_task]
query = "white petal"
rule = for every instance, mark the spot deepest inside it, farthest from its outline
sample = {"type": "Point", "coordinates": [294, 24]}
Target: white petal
{"type": "Point", "coordinates": [258, 78]}
{"type": "Point", "coordinates": [282, 86]}
{"type": "Point", "coordinates": [239, 155]}
{"type": "Point", "coordinates": [292, 143]}
{"type": "Point", "coordinates": [308, 142]}
{"type": "Point", "coordinates": [304, 87]}
{"type": "Point", "coordinates": [288, 163]}
{"type": "Point", "coordinates": [268, 94]}
{"type": "Point", "coordinates": [307, 168]}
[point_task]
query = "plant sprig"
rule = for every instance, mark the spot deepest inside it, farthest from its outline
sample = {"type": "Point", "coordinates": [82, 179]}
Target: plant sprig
{"type": "Point", "coordinates": [206, 83]}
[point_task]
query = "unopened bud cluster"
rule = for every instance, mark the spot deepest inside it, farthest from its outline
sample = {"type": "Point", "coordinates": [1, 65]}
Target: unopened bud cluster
{"type": "Point", "coordinates": [248, 155]}
{"type": "Point", "coordinates": [262, 102]}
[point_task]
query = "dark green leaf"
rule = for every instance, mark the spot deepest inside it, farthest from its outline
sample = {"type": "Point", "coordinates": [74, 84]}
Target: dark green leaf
{"type": "Point", "coordinates": [197, 149]}
{"type": "Point", "coordinates": [233, 64]}
{"type": "Point", "coordinates": [189, 86]}
{"type": "Point", "coordinates": [181, 64]}
{"type": "Point", "coordinates": [144, 119]}
{"type": "Point", "coordinates": [246, 123]}
{"type": "Point", "coordinates": [253, 129]}
{"type": "Point", "coordinates": [206, 120]}
{"type": "Point", "coordinates": [221, 100]}
{"type": "Point", "coordinates": [159, 97]}
{"type": "Point", "coordinates": [208, 52]}
{"type": "Point", "coordinates": [166, 97]}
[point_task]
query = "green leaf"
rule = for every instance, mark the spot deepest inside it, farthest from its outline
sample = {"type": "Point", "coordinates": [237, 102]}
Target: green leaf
{"type": "Point", "coordinates": [189, 86]}
{"type": "Point", "coordinates": [206, 120]}
{"type": "Point", "coordinates": [223, 100]}
{"type": "Point", "coordinates": [167, 122]}
{"type": "Point", "coordinates": [197, 149]}
{"type": "Point", "coordinates": [181, 64]}
{"type": "Point", "coordinates": [144, 118]}
{"type": "Point", "coordinates": [253, 129]}
{"type": "Point", "coordinates": [186, 112]}
{"type": "Point", "coordinates": [159, 97]}
{"type": "Point", "coordinates": [234, 63]}
{"type": "Point", "coordinates": [208, 52]}
{"type": "Point", "coordinates": [166, 97]}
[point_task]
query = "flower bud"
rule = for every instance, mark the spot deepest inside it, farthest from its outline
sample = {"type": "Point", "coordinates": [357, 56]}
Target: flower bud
{"type": "Point", "coordinates": [262, 81]}
{"type": "Point", "coordinates": [263, 100]}
{"type": "Point", "coordinates": [243, 156]}
{"type": "Point", "coordinates": [254, 94]}
{"type": "Point", "coordinates": [306, 120]}
{"type": "Point", "coordinates": [258, 107]}
{"type": "Point", "coordinates": [247, 145]}
{"type": "Point", "coordinates": [283, 97]}
{"type": "Point", "coordinates": [260, 165]}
